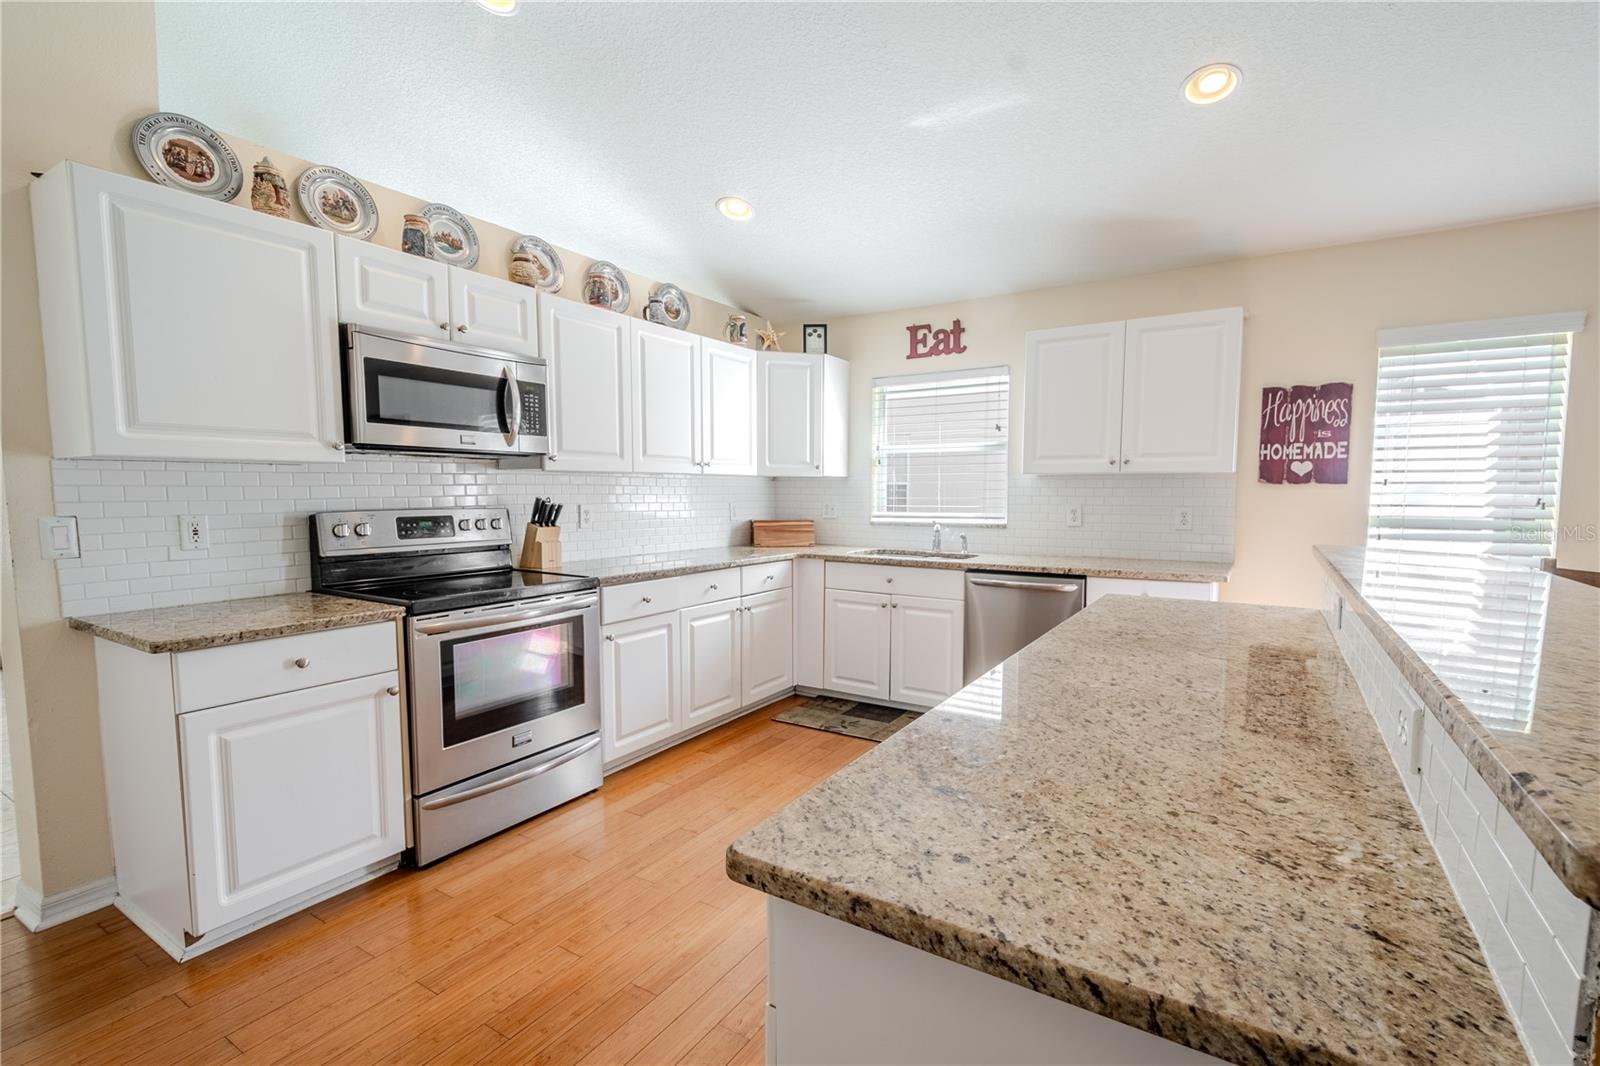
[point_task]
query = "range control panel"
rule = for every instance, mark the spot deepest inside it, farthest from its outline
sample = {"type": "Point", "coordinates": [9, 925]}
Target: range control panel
{"type": "Point", "coordinates": [356, 532]}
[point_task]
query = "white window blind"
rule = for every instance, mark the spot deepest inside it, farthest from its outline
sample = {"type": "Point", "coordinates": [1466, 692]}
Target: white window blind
{"type": "Point", "coordinates": [1466, 453]}
{"type": "Point", "coordinates": [939, 447]}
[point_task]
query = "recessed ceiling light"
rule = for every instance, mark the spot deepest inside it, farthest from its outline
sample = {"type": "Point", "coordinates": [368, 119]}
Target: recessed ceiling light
{"type": "Point", "coordinates": [498, 7]}
{"type": "Point", "coordinates": [736, 208]}
{"type": "Point", "coordinates": [1211, 83]}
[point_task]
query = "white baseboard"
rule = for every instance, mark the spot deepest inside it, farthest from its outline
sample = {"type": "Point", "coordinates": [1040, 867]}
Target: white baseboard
{"type": "Point", "coordinates": [37, 912]}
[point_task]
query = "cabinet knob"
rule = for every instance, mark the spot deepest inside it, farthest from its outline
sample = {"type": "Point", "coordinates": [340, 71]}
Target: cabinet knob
{"type": "Point", "coordinates": [302, 662]}
{"type": "Point", "coordinates": [393, 690]}
{"type": "Point", "coordinates": [1111, 462]}
{"type": "Point", "coordinates": [888, 580]}
{"type": "Point", "coordinates": [461, 328]}
{"type": "Point", "coordinates": [896, 606]}
{"type": "Point", "coordinates": [611, 636]}
{"type": "Point", "coordinates": [770, 577]}
{"type": "Point", "coordinates": [713, 588]}
{"type": "Point", "coordinates": [1126, 460]}
{"type": "Point", "coordinates": [338, 445]}
{"type": "Point", "coordinates": [884, 606]}
{"type": "Point", "coordinates": [445, 326]}
{"type": "Point", "coordinates": [646, 599]}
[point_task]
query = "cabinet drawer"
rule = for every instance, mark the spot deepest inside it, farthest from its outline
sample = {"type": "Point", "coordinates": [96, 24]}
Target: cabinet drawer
{"type": "Point", "coordinates": [637, 599]}
{"type": "Point", "coordinates": [708, 587]}
{"type": "Point", "coordinates": [212, 677]}
{"type": "Point", "coordinates": [901, 580]}
{"type": "Point", "coordinates": [766, 577]}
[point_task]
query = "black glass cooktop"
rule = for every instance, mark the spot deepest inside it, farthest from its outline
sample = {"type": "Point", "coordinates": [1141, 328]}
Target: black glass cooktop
{"type": "Point", "coordinates": [424, 595]}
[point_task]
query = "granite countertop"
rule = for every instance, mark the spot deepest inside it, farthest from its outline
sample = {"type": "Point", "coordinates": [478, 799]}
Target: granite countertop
{"type": "Point", "coordinates": [623, 569]}
{"type": "Point", "coordinates": [1175, 814]}
{"type": "Point", "coordinates": [210, 625]}
{"type": "Point", "coordinates": [1530, 723]}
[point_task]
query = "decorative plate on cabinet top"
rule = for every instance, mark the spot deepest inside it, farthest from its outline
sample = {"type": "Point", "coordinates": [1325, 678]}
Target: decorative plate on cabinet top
{"type": "Point", "coordinates": [187, 154]}
{"type": "Point", "coordinates": [535, 263]}
{"type": "Point", "coordinates": [604, 286]}
{"type": "Point", "coordinates": [454, 240]}
{"type": "Point", "coordinates": [668, 306]}
{"type": "Point", "coordinates": [334, 200]}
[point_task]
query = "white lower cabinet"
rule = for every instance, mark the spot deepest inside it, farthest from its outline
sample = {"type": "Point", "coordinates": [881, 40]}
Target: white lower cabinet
{"type": "Point", "coordinates": [288, 792]}
{"type": "Point", "coordinates": [766, 658]}
{"type": "Point", "coordinates": [247, 781]}
{"type": "Point", "coordinates": [712, 681]}
{"type": "Point", "coordinates": [855, 656]}
{"type": "Point", "coordinates": [925, 648]}
{"type": "Point", "coordinates": [890, 646]}
{"type": "Point", "coordinates": [639, 684]}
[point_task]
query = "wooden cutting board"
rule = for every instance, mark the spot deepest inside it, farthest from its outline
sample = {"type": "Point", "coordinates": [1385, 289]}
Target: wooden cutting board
{"type": "Point", "coordinates": [772, 533]}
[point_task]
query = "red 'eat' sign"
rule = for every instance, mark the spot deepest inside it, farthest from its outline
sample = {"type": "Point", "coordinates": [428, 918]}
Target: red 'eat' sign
{"type": "Point", "coordinates": [926, 341]}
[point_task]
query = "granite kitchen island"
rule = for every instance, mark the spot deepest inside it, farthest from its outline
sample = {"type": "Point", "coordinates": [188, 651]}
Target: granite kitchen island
{"type": "Point", "coordinates": [1166, 831]}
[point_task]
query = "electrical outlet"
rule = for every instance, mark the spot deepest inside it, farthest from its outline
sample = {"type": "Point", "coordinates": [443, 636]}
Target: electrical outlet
{"type": "Point", "coordinates": [830, 510]}
{"type": "Point", "coordinates": [1074, 513]}
{"type": "Point", "coordinates": [1183, 519]}
{"type": "Point", "coordinates": [733, 511]}
{"type": "Point", "coordinates": [194, 534]}
{"type": "Point", "coordinates": [585, 516]}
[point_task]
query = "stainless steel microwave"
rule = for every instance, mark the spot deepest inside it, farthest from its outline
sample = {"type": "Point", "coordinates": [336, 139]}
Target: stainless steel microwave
{"type": "Point", "coordinates": [415, 394]}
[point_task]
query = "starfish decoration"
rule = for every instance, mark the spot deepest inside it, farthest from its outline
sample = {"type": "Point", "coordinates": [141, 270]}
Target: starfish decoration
{"type": "Point", "coordinates": [769, 338]}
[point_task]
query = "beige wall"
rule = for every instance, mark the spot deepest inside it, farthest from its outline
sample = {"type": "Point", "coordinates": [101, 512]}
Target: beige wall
{"type": "Point", "coordinates": [75, 78]}
{"type": "Point", "coordinates": [1312, 318]}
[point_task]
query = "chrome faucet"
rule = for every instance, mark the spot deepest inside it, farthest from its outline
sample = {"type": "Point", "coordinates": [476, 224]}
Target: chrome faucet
{"type": "Point", "coordinates": [963, 543]}
{"type": "Point", "coordinates": [938, 537]}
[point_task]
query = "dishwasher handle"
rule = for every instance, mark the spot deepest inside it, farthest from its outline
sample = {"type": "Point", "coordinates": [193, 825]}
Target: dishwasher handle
{"type": "Point", "coordinates": [1027, 586]}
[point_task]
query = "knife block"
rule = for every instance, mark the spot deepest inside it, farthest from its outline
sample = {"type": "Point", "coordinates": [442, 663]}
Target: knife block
{"type": "Point", "coordinates": [541, 548]}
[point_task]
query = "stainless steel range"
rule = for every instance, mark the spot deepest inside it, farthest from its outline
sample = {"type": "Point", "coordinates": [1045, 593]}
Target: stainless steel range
{"type": "Point", "coordinates": [503, 665]}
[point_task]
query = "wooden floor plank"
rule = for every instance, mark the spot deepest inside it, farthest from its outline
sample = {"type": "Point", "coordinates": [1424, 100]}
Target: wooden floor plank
{"type": "Point", "coordinates": [603, 931]}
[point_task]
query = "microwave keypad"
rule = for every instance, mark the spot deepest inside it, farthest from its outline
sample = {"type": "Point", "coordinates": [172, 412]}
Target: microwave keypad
{"type": "Point", "coordinates": [533, 413]}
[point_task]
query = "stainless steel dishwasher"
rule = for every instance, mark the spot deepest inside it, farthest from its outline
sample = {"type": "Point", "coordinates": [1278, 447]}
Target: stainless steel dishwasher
{"type": "Point", "coordinates": [1007, 612]}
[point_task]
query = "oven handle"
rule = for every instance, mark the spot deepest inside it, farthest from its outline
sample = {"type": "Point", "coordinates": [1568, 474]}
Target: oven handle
{"type": "Point", "coordinates": [515, 779]}
{"type": "Point", "coordinates": [486, 622]}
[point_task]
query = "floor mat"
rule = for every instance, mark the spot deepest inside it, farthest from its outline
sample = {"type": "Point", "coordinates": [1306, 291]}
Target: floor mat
{"type": "Point", "coordinates": [865, 720]}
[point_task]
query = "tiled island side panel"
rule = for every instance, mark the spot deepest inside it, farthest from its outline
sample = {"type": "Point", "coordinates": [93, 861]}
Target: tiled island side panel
{"type": "Point", "coordinates": [1541, 941]}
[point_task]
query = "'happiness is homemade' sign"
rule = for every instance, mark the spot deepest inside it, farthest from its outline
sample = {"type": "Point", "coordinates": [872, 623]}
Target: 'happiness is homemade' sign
{"type": "Point", "coordinates": [1305, 434]}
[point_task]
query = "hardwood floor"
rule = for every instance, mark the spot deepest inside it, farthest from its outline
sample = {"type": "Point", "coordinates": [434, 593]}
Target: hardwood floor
{"type": "Point", "coordinates": [602, 932]}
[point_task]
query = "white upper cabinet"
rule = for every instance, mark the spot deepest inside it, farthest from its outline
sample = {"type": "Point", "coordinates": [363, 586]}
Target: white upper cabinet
{"type": "Point", "coordinates": [1146, 396]}
{"type": "Point", "coordinates": [1180, 389]}
{"type": "Point", "coordinates": [802, 414]}
{"type": "Point", "coordinates": [1072, 392]}
{"type": "Point", "coordinates": [176, 327]}
{"type": "Point", "coordinates": [666, 399]}
{"type": "Point", "coordinates": [388, 289]}
{"type": "Point", "coordinates": [587, 349]}
{"type": "Point", "coordinates": [727, 408]}
{"type": "Point", "coordinates": [490, 312]}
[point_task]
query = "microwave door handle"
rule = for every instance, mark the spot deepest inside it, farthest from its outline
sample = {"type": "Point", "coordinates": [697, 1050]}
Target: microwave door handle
{"type": "Point", "coordinates": [510, 405]}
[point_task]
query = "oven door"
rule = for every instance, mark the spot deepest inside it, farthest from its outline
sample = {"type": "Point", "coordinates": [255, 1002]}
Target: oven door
{"type": "Point", "coordinates": [493, 685]}
{"type": "Point", "coordinates": [402, 392]}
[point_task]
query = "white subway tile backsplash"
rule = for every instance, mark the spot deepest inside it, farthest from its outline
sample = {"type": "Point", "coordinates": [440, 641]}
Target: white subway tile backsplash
{"type": "Point", "coordinates": [1534, 933]}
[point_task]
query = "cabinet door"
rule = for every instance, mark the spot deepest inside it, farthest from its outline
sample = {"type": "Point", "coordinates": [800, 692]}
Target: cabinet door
{"type": "Point", "coordinates": [1072, 400]}
{"type": "Point", "coordinates": [1180, 406]}
{"type": "Point", "coordinates": [191, 329]}
{"type": "Point", "coordinates": [711, 677]}
{"type": "Point", "coordinates": [489, 312]}
{"type": "Point", "coordinates": [639, 684]}
{"type": "Point", "coordinates": [591, 412]}
{"type": "Point", "coordinates": [388, 289]}
{"type": "Point", "coordinates": [767, 658]}
{"type": "Point", "coordinates": [728, 408]}
{"type": "Point", "coordinates": [789, 414]}
{"type": "Point", "coordinates": [666, 399]}
{"type": "Point", "coordinates": [855, 654]}
{"type": "Point", "coordinates": [925, 649]}
{"type": "Point", "coordinates": [288, 793]}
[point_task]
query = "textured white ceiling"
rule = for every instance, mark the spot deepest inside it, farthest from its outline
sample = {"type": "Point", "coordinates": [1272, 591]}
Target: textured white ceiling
{"type": "Point", "coordinates": [903, 154]}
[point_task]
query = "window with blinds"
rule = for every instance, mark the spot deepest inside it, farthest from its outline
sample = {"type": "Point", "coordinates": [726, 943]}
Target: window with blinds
{"type": "Point", "coordinates": [1466, 451]}
{"type": "Point", "coordinates": [939, 447]}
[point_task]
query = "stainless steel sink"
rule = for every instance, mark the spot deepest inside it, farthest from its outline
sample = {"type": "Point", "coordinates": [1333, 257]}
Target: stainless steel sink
{"type": "Point", "coordinates": [914, 553]}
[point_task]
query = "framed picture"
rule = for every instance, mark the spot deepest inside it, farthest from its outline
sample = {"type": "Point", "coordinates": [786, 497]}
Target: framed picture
{"type": "Point", "coordinates": [815, 339]}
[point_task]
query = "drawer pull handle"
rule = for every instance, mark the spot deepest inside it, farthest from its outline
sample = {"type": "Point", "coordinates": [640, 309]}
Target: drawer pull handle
{"type": "Point", "coordinates": [713, 588]}
{"type": "Point", "coordinates": [889, 580]}
{"type": "Point", "coordinates": [302, 662]}
{"type": "Point", "coordinates": [646, 599]}
{"type": "Point", "coordinates": [770, 577]}
{"type": "Point", "coordinates": [393, 690]}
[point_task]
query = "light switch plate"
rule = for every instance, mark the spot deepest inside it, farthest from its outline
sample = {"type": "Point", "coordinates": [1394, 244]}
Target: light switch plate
{"type": "Point", "coordinates": [830, 510]}
{"type": "Point", "coordinates": [733, 511]}
{"type": "Point", "coordinates": [1074, 513]}
{"type": "Point", "coordinates": [58, 537]}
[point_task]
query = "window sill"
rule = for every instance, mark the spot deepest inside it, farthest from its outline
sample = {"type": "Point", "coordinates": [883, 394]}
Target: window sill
{"type": "Point", "coordinates": [970, 523]}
